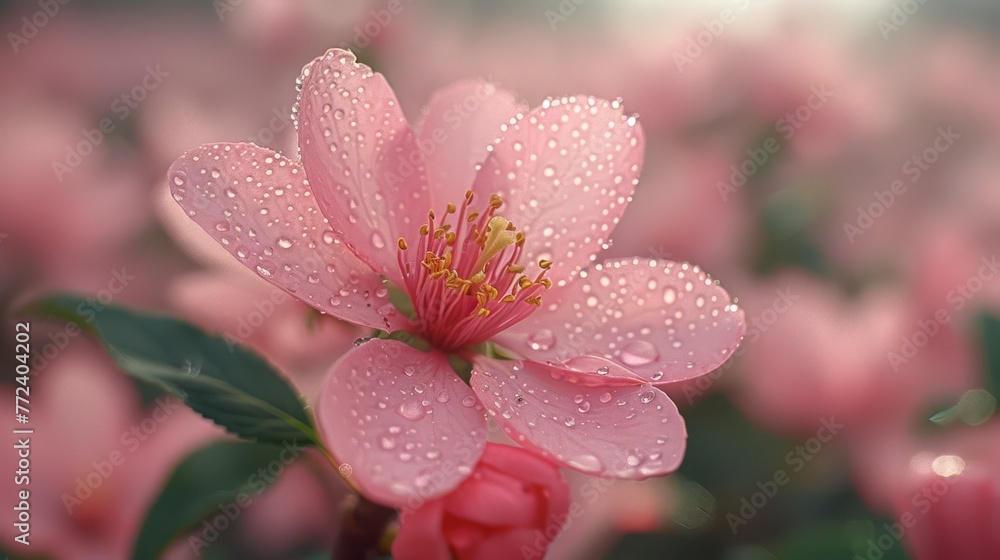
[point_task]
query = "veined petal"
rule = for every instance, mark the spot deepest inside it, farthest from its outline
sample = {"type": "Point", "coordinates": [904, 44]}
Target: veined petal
{"type": "Point", "coordinates": [459, 124]}
{"type": "Point", "coordinates": [566, 171]}
{"type": "Point", "coordinates": [260, 207]}
{"type": "Point", "coordinates": [362, 158]}
{"type": "Point", "coordinates": [628, 432]}
{"type": "Point", "coordinates": [408, 426]}
{"type": "Point", "coordinates": [663, 320]}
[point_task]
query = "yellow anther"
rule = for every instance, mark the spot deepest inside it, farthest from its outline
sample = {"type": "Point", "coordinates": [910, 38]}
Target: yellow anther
{"type": "Point", "coordinates": [537, 301]}
{"type": "Point", "coordinates": [515, 269]}
{"type": "Point", "coordinates": [473, 216]}
{"type": "Point", "coordinates": [451, 209]}
{"type": "Point", "coordinates": [483, 312]}
{"type": "Point", "coordinates": [519, 239]}
{"type": "Point", "coordinates": [545, 282]}
{"type": "Point", "coordinates": [469, 195]}
{"type": "Point", "coordinates": [508, 299]}
{"type": "Point", "coordinates": [524, 282]}
{"type": "Point", "coordinates": [430, 214]}
{"type": "Point", "coordinates": [424, 229]}
{"type": "Point", "coordinates": [450, 237]}
{"type": "Point", "coordinates": [495, 201]}
{"type": "Point", "coordinates": [477, 278]}
{"type": "Point", "coordinates": [402, 244]}
{"type": "Point", "coordinates": [545, 264]}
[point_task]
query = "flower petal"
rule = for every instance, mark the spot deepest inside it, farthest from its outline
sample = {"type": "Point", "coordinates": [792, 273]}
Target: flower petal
{"type": "Point", "coordinates": [566, 171]}
{"type": "Point", "coordinates": [512, 543]}
{"type": "Point", "coordinates": [362, 158]}
{"type": "Point", "coordinates": [408, 426]}
{"type": "Point", "coordinates": [511, 501]}
{"type": "Point", "coordinates": [662, 320]}
{"type": "Point", "coordinates": [259, 206]}
{"type": "Point", "coordinates": [460, 122]}
{"type": "Point", "coordinates": [630, 432]}
{"type": "Point", "coordinates": [421, 537]}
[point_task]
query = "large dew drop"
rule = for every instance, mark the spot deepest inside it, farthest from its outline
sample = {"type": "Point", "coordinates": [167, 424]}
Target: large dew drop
{"type": "Point", "coordinates": [638, 353]}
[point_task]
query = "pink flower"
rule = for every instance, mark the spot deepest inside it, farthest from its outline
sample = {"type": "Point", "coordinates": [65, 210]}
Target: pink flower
{"type": "Point", "coordinates": [514, 502]}
{"type": "Point", "coordinates": [503, 262]}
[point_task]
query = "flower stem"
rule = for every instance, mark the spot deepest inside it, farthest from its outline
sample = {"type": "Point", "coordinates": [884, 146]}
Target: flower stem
{"type": "Point", "coordinates": [364, 524]}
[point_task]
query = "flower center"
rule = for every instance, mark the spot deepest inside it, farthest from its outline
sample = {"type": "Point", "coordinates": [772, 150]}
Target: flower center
{"type": "Point", "coordinates": [464, 278]}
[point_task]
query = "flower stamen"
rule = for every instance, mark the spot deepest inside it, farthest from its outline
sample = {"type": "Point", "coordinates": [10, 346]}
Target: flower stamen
{"type": "Point", "coordinates": [469, 285]}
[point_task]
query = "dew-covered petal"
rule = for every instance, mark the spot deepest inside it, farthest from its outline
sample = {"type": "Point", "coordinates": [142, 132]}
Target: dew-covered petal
{"type": "Point", "coordinates": [260, 207]}
{"type": "Point", "coordinates": [407, 425]}
{"type": "Point", "coordinates": [459, 124]}
{"type": "Point", "coordinates": [663, 320]}
{"type": "Point", "coordinates": [362, 158]}
{"type": "Point", "coordinates": [566, 171]}
{"type": "Point", "coordinates": [628, 432]}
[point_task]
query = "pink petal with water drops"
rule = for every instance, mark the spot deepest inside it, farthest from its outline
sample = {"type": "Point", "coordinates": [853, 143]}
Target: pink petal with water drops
{"type": "Point", "coordinates": [362, 158]}
{"type": "Point", "coordinates": [663, 320]}
{"type": "Point", "coordinates": [402, 419]}
{"type": "Point", "coordinates": [460, 122]}
{"type": "Point", "coordinates": [566, 171]}
{"type": "Point", "coordinates": [259, 206]}
{"type": "Point", "coordinates": [628, 432]}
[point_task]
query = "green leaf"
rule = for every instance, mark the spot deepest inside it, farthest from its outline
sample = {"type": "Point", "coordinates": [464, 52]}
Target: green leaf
{"type": "Point", "coordinates": [219, 379]}
{"type": "Point", "coordinates": [221, 479]}
{"type": "Point", "coordinates": [989, 334]}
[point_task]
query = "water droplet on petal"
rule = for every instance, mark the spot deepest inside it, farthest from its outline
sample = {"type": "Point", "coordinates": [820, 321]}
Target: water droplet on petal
{"type": "Point", "coordinates": [266, 269]}
{"type": "Point", "coordinates": [646, 397]}
{"type": "Point", "coordinates": [586, 463]}
{"type": "Point", "coordinates": [603, 370]}
{"type": "Point", "coordinates": [284, 243]}
{"type": "Point", "coordinates": [541, 340]}
{"type": "Point", "coordinates": [469, 401]}
{"type": "Point", "coordinates": [412, 410]}
{"type": "Point", "coordinates": [638, 353]}
{"type": "Point", "coordinates": [377, 241]}
{"type": "Point", "coordinates": [605, 397]}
